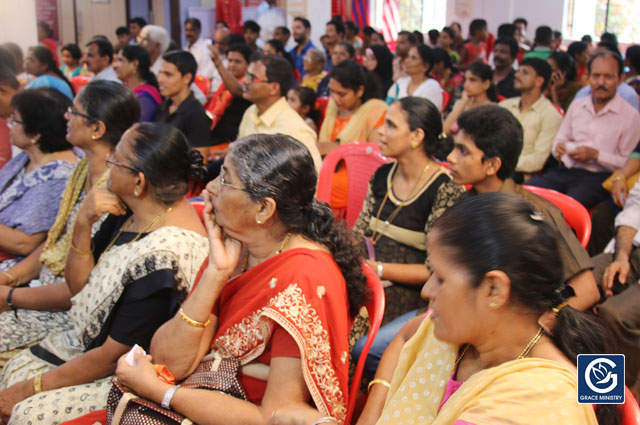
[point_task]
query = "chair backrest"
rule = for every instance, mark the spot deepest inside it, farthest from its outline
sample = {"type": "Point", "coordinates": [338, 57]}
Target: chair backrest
{"type": "Point", "coordinates": [362, 160]}
{"type": "Point", "coordinates": [199, 207]}
{"type": "Point", "coordinates": [446, 97]}
{"type": "Point", "coordinates": [575, 214]}
{"type": "Point", "coordinates": [629, 412]}
{"type": "Point", "coordinates": [375, 308]}
{"type": "Point", "coordinates": [559, 109]}
{"type": "Point", "coordinates": [321, 107]}
{"type": "Point", "coordinates": [78, 82]}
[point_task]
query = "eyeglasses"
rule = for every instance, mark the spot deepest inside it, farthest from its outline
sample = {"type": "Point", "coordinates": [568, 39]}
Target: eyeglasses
{"type": "Point", "coordinates": [72, 111]}
{"type": "Point", "coordinates": [11, 122]}
{"type": "Point", "coordinates": [254, 79]}
{"type": "Point", "coordinates": [111, 161]}
{"type": "Point", "coordinates": [223, 182]}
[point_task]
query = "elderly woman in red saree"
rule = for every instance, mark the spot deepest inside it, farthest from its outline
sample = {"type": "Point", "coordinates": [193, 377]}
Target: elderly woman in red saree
{"type": "Point", "coordinates": [281, 286]}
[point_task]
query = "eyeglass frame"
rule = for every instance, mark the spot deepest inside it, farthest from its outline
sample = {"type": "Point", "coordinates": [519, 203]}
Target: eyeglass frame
{"type": "Point", "coordinates": [110, 160]}
{"type": "Point", "coordinates": [223, 182]}
{"type": "Point", "coordinates": [73, 111]}
{"type": "Point", "coordinates": [254, 79]}
{"type": "Point", "coordinates": [11, 122]}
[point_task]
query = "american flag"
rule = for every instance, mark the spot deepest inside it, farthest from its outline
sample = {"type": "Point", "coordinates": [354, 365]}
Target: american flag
{"type": "Point", "coordinates": [390, 20]}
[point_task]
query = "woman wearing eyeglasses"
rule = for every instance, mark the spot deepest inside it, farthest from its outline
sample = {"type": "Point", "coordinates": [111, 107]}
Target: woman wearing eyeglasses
{"type": "Point", "coordinates": [282, 282]}
{"type": "Point", "coordinates": [100, 114]}
{"type": "Point", "coordinates": [126, 281]}
{"type": "Point", "coordinates": [32, 182]}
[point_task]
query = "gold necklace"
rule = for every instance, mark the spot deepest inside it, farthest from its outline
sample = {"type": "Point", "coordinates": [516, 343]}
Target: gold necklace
{"type": "Point", "coordinates": [278, 251]}
{"type": "Point", "coordinates": [375, 236]}
{"type": "Point", "coordinates": [146, 229]}
{"type": "Point", "coordinates": [527, 349]}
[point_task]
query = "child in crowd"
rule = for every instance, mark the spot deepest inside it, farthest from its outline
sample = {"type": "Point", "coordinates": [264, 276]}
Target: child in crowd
{"type": "Point", "coordinates": [303, 101]}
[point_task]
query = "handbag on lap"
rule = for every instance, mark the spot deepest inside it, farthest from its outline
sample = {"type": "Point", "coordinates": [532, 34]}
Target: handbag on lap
{"type": "Point", "coordinates": [218, 374]}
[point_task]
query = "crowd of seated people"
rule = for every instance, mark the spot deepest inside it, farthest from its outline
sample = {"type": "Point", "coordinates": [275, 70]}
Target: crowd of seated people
{"type": "Point", "coordinates": [100, 249]}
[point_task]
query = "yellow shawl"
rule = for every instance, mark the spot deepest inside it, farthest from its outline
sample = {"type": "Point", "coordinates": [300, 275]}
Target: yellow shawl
{"type": "Point", "coordinates": [56, 248]}
{"type": "Point", "coordinates": [519, 392]}
{"type": "Point", "coordinates": [359, 126]}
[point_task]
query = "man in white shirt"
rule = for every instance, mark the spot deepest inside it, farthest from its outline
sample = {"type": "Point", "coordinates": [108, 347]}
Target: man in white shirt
{"type": "Point", "coordinates": [155, 40]}
{"type": "Point", "coordinates": [98, 58]}
{"type": "Point", "coordinates": [198, 47]}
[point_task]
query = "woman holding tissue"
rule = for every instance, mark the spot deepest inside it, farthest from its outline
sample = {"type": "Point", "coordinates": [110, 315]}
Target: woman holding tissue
{"type": "Point", "coordinates": [280, 271]}
{"type": "Point", "coordinates": [128, 280]}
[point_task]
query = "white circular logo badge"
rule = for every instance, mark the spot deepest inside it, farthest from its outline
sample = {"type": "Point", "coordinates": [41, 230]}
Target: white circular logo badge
{"type": "Point", "coordinates": [600, 370]}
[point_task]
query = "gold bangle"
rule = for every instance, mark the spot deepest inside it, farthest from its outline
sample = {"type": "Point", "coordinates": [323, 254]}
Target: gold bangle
{"type": "Point", "coordinates": [37, 383]}
{"type": "Point", "coordinates": [77, 251]}
{"type": "Point", "coordinates": [192, 322]}
{"type": "Point", "coordinates": [378, 381]}
{"type": "Point", "coordinates": [11, 277]}
{"type": "Point", "coordinates": [619, 177]}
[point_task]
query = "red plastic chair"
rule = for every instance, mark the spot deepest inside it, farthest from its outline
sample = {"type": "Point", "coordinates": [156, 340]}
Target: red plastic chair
{"type": "Point", "coordinates": [559, 109]}
{"type": "Point", "coordinates": [629, 412]}
{"type": "Point", "coordinates": [575, 214]}
{"type": "Point", "coordinates": [375, 308]}
{"type": "Point", "coordinates": [199, 207]}
{"type": "Point", "coordinates": [321, 107]}
{"type": "Point", "coordinates": [446, 98]}
{"type": "Point", "coordinates": [78, 82]}
{"type": "Point", "coordinates": [203, 84]}
{"type": "Point", "coordinates": [362, 160]}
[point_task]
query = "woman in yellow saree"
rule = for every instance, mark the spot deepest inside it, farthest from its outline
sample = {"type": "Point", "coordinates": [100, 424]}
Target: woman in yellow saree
{"type": "Point", "coordinates": [481, 357]}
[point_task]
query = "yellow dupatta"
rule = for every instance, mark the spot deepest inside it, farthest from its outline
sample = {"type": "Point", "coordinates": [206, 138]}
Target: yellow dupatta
{"type": "Point", "coordinates": [359, 126]}
{"type": "Point", "coordinates": [56, 247]}
{"type": "Point", "coordinates": [520, 392]}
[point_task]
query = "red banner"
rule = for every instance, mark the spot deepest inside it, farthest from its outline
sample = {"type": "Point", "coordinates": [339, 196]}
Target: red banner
{"type": "Point", "coordinates": [47, 11]}
{"type": "Point", "coordinates": [338, 8]}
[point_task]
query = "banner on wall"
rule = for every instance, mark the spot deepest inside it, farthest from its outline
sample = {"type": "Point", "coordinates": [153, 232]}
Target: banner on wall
{"type": "Point", "coordinates": [462, 8]}
{"type": "Point", "coordinates": [338, 8]}
{"type": "Point", "coordinates": [47, 11]}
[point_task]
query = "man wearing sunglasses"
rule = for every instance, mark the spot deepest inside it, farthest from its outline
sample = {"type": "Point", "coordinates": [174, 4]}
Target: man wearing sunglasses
{"type": "Point", "coordinates": [269, 78]}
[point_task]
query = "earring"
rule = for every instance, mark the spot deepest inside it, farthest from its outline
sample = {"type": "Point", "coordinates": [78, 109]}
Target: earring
{"type": "Point", "coordinates": [493, 304]}
{"type": "Point", "coordinates": [33, 141]}
{"type": "Point", "coordinates": [414, 145]}
{"type": "Point", "coordinates": [136, 192]}
{"type": "Point", "coordinates": [93, 137]}
{"type": "Point", "coordinates": [258, 221]}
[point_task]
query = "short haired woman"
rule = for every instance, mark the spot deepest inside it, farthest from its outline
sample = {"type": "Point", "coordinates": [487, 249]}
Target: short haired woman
{"type": "Point", "coordinates": [32, 182]}
{"type": "Point", "coordinates": [126, 281]}
{"type": "Point", "coordinates": [100, 114]}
